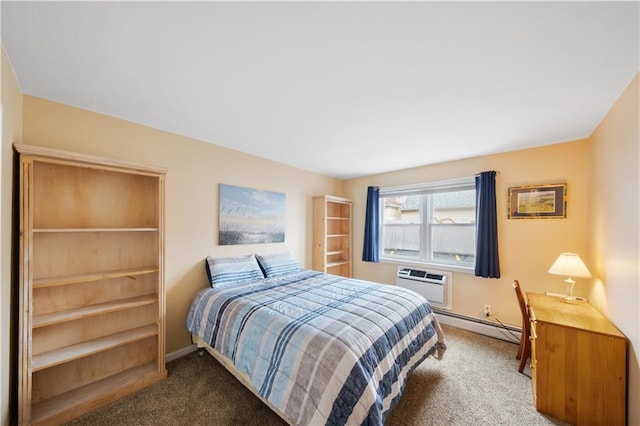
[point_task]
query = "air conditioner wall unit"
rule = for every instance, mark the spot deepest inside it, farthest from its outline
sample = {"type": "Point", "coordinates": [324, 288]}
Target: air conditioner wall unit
{"type": "Point", "coordinates": [432, 285]}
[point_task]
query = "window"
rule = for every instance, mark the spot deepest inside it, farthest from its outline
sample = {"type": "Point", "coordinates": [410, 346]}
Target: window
{"type": "Point", "coordinates": [430, 223]}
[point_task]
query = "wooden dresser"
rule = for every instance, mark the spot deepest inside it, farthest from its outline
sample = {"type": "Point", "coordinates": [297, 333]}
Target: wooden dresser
{"type": "Point", "coordinates": [578, 362]}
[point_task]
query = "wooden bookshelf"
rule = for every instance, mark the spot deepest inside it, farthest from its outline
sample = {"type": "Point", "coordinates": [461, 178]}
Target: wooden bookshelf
{"type": "Point", "coordinates": [332, 235]}
{"type": "Point", "coordinates": [91, 272]}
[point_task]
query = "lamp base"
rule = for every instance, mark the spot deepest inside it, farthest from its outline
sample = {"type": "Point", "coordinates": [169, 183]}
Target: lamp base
{"type": "Point", "coordinates": [569, 298]}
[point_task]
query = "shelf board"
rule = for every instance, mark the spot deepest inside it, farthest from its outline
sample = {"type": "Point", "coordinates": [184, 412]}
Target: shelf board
{"type": "Point", "coordinates": [338, 218]}
{"type": "Point", "coordinates": [335, 252]}
{"type": "Point", "coordinates": [80, 350]}
{"type": "Point", "coordinates": [52, 407]}
{"type": "Point", "coordinates": [337, 263]}
{"type": "Point", "coordinates": [92, 310]}
{"type": "Point", "coordinates": [83, 278]}
{"type": "Point", "coordinates": [77, 230]}
{"type": "Point", "coordinates": [337, 235]}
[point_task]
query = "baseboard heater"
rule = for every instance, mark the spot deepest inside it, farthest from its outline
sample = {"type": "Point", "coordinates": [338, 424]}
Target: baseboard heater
{"type": "Point", "coordinates": [488, 328]}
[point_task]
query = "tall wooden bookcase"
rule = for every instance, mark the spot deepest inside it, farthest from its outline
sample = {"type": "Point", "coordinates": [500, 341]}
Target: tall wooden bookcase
{"type": "Point", "coordinates": [91, 282]}
{"type": "Point", "coordinates": [332, 235]}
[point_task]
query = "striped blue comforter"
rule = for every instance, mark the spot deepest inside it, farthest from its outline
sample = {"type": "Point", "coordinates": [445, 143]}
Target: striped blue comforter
{"type": "Point", "coordinates": [322, 349]}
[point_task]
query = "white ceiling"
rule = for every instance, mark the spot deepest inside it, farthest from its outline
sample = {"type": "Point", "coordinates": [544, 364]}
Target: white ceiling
{"type": "Point", "coordinates": [344, 89]}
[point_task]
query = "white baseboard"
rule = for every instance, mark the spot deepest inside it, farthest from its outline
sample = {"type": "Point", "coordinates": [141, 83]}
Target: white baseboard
{"type": "Point", "coordinates": [180, 353]}
{"type": "Point", "coordinates": [476, 325]}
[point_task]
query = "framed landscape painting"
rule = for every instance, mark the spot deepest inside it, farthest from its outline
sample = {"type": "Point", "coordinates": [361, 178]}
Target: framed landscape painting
{"type": "Point", "coordinates": [250, 216]}
{"type": "Point", "coordinates": [538, 201]}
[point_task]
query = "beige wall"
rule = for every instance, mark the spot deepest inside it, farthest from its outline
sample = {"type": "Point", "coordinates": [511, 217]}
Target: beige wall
{"type": "Point", "coordinates": [527, 247]}
{"type": "Point", "coordinates": [602, 225]}
{"type": "Point", "coordinates": [606, 166]}
{"type": "Point", "coordinates": [195, 170]}
{"type": "Point", "coordinates": [11, 132]}
{"type": "Point", "coordinates": [614, 227]}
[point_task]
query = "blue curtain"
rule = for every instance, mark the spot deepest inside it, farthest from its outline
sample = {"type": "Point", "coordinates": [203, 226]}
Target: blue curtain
{"type": "Point", "coordinates": [487, 261]}
{"type": "Point", "coordinates": [371, 226]}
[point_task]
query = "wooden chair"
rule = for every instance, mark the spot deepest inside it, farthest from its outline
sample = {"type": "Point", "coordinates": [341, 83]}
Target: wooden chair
{"type": "Point", "coordinates": [524, 352]}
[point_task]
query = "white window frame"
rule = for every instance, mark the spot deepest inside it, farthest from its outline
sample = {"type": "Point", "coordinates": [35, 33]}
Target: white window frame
{"type": "Point", "coordinates": [448, 185]}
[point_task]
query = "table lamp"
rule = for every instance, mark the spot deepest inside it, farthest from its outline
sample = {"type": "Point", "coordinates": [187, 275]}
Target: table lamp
{"type": "Point", "coordinates": [569, 265]}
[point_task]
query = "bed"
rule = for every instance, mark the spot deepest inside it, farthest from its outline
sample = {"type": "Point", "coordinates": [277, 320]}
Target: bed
{"type": "Point", "coordinates": [317, 348]}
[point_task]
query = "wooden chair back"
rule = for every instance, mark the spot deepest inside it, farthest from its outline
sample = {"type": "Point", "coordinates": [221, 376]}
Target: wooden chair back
{"type": "Point", "coordinates": [524, 352]}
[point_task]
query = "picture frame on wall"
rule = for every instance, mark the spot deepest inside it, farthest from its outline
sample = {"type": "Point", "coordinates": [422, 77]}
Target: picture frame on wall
{"type": "Point", "coordinates": [250, 216]}
{"type": "Point", "coordinates": [548, 201]}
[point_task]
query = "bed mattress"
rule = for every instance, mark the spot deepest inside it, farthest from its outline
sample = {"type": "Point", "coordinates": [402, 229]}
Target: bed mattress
{"type": "Point", "coordinates": [321, 349]}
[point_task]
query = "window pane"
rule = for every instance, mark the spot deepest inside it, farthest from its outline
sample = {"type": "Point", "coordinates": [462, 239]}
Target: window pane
{"type": "Point", "coordinates": [402, 226]}
{"type": "Point", "coordinates": [432, 224]}
{"type": "Point", "coordinates": [453, 227]}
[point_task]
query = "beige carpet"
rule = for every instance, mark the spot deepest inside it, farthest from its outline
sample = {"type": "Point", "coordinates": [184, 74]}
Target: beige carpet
{"type": "Point", "coordinates": [477, 382]}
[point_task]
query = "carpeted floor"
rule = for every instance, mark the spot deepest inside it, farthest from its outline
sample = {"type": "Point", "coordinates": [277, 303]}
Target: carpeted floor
{"type": "Point", "coordinates": [477, 382]}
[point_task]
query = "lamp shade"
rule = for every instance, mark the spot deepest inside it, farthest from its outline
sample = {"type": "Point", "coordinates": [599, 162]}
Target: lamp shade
{"type": "Point", "coordinates": [570, 265]}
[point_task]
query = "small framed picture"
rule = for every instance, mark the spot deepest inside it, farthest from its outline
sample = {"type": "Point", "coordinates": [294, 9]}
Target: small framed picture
{"type": "Point", "coordinates": [538, 201]}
